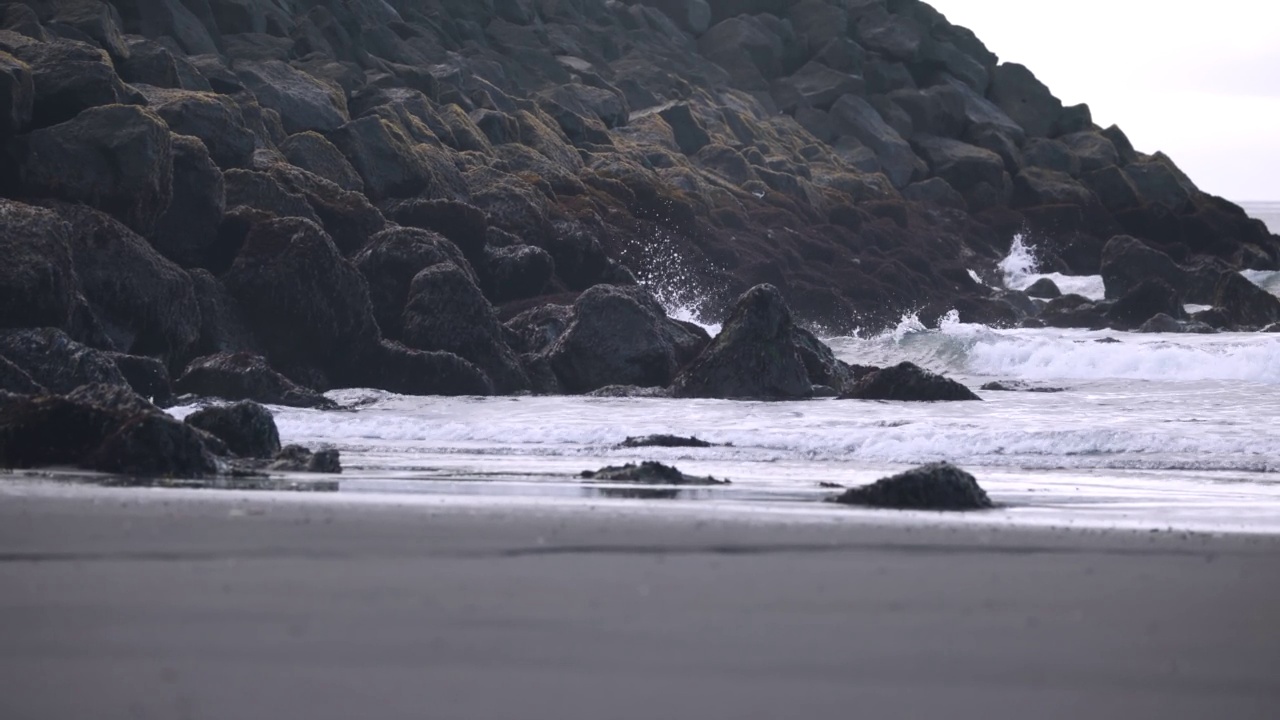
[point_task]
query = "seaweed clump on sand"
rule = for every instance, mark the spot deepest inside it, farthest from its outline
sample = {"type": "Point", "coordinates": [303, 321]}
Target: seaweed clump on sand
{"type": "Point", "coordinates": [648, 472]}
{"type": "Point", "coordinates": [937, 486]}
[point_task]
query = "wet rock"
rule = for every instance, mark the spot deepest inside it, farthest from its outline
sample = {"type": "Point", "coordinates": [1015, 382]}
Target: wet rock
{"type": "Point", "coordinates": [313, 153]}
{"type": "Point", "coordinates": [14, 379]}
{"type": "Point", "coordinates": [1073, 311]}
{"type": "Point", "coordinates": [516, 272]}
{"type": "Point", "coordinates": [664, 441]}
{"type": "Point", "coordinates": [188, 230]}
{"type": "Point", "coordinates": [1127, 261]}
{"type": "Point", "coordinates": [937, 486]}
{"type": "Point", "coordinates": [1045, 289]}
{"type": "Point", "coordinates": [538, 328]}
{"type": "Point", "coordinates": [649, 473]}
{"type": "Point", "coordinates": [1243, 304]}
{"type": "Point", "coordinates": [394, 367]}
{"type": "Point", "coordinates": [262, 192]}
{"type": "Point", "coordinates": [149, 63]}
{"type": "Point", "coordinates": [222, 327]}
{"type": "Point", "coordinates": [248, 429]}
{"type": "Point", "coordinates": [1150, 298]}
{"type": "Point", "coordinates": [389, 263]}
{"type": "Point", "coordinates": [690, 135]}
{"type": "Point", "coordinates": [295, 458]}
{"type": "Point", "coordinates": [963, 166]}
{"type": "Point", "coordinates": [907, 381]}
{"type": "Point", "coordinates": [118, 159]}
{"type": "Point", "coordinates": [56, 361]}
{"type": "Point", "coordinates": [68, 77]}
{"type": "Point", "coordinates": [153, 445]}
{"type": "Point", "coordinates": [620, 336]}
{"type": "Point", "coordinates": [17, 95]}
{"type": "Point", "coordinates": [148, 377]}
{"type": "Point", "coordinates": [462, 224]}
{"type": "Point", "coordinates": [216, 119]}
{"type": "Point", "coordinates": [1019, 386]}
{"type": "Point", "coordinates": [38, 284]}
{"type": "Point", "coordinates": [245, 376]}
{"type": "Point", "coordinates": [348, 217]}
{"type": "Point", "coordinates": [754, 356]}
{"type": "Point", "coordinates": [56, 429]}
{"type": "Point", "coordinates": [630, 391]}
{"type": "Point", "coordinates": [446, 311]}
{"type": "Point", "coordinates": [390, 164]}
{"type": "Point", "coordinates": [854, 116]}
{"type": "Point", "coordinates": [823, 367]}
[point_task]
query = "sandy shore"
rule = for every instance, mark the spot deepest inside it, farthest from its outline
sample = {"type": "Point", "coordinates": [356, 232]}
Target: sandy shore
{"type": "Point", "coordinates": [188, 604]}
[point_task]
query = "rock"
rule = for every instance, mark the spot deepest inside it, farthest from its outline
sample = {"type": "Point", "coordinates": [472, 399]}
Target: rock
{"type": "Point", "coordinates": [937, 486]}
{"type": "Point", "coordinates": [1113, 188]}
{"type": "Point", "coordinates": [261, 191]}
{"type": "Point", "coordinates": [1044, 288]}
{"type": "Point", "coordinates": [821, 364]}
{"type": "Point", "coordinates": [516, 272]}
{"type": "Point", "coordinates": [222, 327]}
{"type": "Point", "coordinates": [1051, 155]}
{"type": "Point", "coordinates": [17, 95]}
{"type": "Point", "coordinates": [691, 16]}
{"type": "Point", "coordinates": [1244, 304]}
{"type": "Point", "coordinates": [146, 304]}
{"type": "Point", "coordinates": [304, 103]}
{"type": "Point", "coordinates": [630, 391]}
{"type": "Point", "coordinates": [749, 49]}
{"type": "Point", "coordinates": [56, 361]}
{"type": "Point", "coordinates": [620, 336]}
{"type": "Point", "coordinates": [649, 473]}
{"type": "Point", "coordinates": [664, 441]}
{"type": "Point", "coordinates": [188, 230]}
{"type": "Point", "coordinates": [38, 283]}
{"type": "Point", "coordinates": [149, 63]}
{"type": "Point", "coordinates": [1159, 184]}
{"type": "Point", "coordinates": [963, 166]}
{"type": "Point", "coordinates": [216, 119]}
{"type": "Point", "coordinates": [935, 191]}
{"type": "Point", "coordinates": [1150, 298]}
{"type": "Point", "coordinates": [1019, 386]}
{"type": "Point", "coordinates": [1016, 91]}
{"type": "Point", "coordinates": [295, 458]}
{"type": "Point", "coordinates": [14, 379]}
{"type": "Point", "coordinates": [906, 381]}
{"type": "Point", "coordinates": [389, 263]}
{"type": "Point", "coordinates": [446, 311]}
{"type": "Point", "coordinates": [538, 328]}
{"type": "Point", "coordinates": [68, 77]}
{"type": "Point", "coordinates": [754, 356]}
{"type": "Point", "coordinates": [313, 153]}
{"type": "Point", "coordinates": [463, 224]}
{"type": "Point", "coordinates": [689, 133]}
{"type": "Point", "coordinates": [245, 376]}
{"type": "Point", "coordinates": [348, 217]}
{"type": "Point", "coordinates": [938, 111]}
{"type": "Point", "coordinates": [153, 445]}
{"type": "Point", "coordinates": [1036, 187]}
{"type": "Point", "coordinates": [248, 429]}
{"type": "Point", "coordinates": [391, 366]}
{"type": "Point", "coordinates": [1127, 261]}
{"type": "Point", "coordinates": [118, 159]}
{"type": "Point", "coordinates": [147, 376]}
{"type": "Point", "coordinates": [1161, 323]}
{"type": "Point", "coordinates": [389, 163]}
{"type": "Point", "coordinates": [310, 306]}
{"type": "Point", "coordinates": [1094, 151]}
{"type": "Point", "coordinates": [62, 430]}
{"type": "Point", "coordinates": [816, 86]}
{"type": "Point", "coordinates": [851, 115]}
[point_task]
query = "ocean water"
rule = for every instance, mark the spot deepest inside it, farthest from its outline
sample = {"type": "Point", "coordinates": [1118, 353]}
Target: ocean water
{"type": "Point", "coordinates": [1141, 431]}
{"type": "Point", "coordinates": [1267, 212]}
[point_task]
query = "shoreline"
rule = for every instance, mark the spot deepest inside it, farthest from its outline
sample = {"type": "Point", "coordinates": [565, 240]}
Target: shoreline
{"type": "Point", "coordinates": [191, 604]}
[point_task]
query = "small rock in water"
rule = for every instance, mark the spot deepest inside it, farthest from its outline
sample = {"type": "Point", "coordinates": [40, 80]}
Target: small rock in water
{"type": "Point", "coordinates": [1107, 341]}
{"type": "Point", "coordinates": [649, 472]}
{"type": "Point", "coordinates": [295, 458]}
{"type": "Point", "coordinates": [906, 381]}
{"type": "Point", "coordinates": [630, 391]}
{"type": "Point", "coordinates": [664, 441]}
{"type": "Point", "coordinates": [937, 486]}
{"type": "Point", "coordinates": [1019, 386]}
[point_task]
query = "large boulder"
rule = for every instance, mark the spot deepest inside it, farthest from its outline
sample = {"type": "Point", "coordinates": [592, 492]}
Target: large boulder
{"type": "Point", "coordinates": [248, 429]}
{"type": "Point", "coordinates": [313, 153]}
{"type": "Point", "coordinates": [68, 77]}
{"type": "Point", "coordinates": [1016, 91]}
{"type": "Point", "coordinates": [907, 381]}
{"type": "Point", "coordinates": [57, 362]}
{"type": "Point", "coordinates": [148, 377]}
{"type": "Point", "coordinates": [516, 272]}
{"type": "Point", "coordinates": [394, 367]}
{"type": "Point", "coordinates": [216, 119]}
{"type": "Point", "coordinates": [1127, 262]}
{"type": "Point", "coordinates": [144, 302]}
{"type": "Point", "coordinates": [464, 225]}
{"type": "Point", "coordinates": [64, 429]}
{"type": "Point", "coordinates": [348, 216]}
{"type": "Point", "coordinates": [538, 328]}
{"type": "Point", "coordinates": [222, 326]}
{"type": "Point", "coordinates": [310, 307]}
{"type": "Point", "coordinates": [38, 284]}
{"type": "Point", "coordinates": [14, 379]}
{"type": "Point", "coordinates": [17, 95]}
{"type": "Point", "coordinates": [1243, 304]}
{"type": "Point", "coordinates": [854, 116]}
{"type": "Point", "coordinates": [389, 162]}
{"type": "Point", "coordinates": [937, 486]}
{"type": "Point", "coordinates": [389, 263]}
{"type": "Point", "coordinates": [118, 159]}
{"type": "Point", "coordinates": [446, 311]}
{"type": "Point", "coordinates": [154, 445]}
{"type": "Point", "coordinates": [304, 103]}
{"type": "Point", "coordinates": [962, 165]}
{"type": "Point", "coordinates": [620, 336]}
{"type": "Point", "coordinates": [1151, 297]}
{"type": "Point", "coordinates": [245, 376]}
{"type": "Point", "coordinates": [753, 357]}
{"type": "Point", "coordinates": [188, 230]}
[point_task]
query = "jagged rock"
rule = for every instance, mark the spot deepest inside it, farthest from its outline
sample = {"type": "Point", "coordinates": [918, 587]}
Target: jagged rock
{"type": "Point", "coordinates": [1036, 186]}
{"type": "Point", "coordinates": [963, 166]}
{"type": "Point", "coordinates": [1025, 99]}
{"type": "Point", "coordinates": [1127, 261]}
{"type": "Point", "coordinates": [749, 49]}
{"type": "Point", "coordinates": [691, 16]}
{"type": "Point", "coordinates": [216, 119]}
{"type": "Point", "coordinates": [295, 458]}
{"type": "Point", "coordinates": [1044, 288]}
{"type": "Point", "coordinates": [815, 85]}
{"type": "Point", "coordinates": [188, 229]}
{"type": "Point", "coordinates": [68, 77]}
{"type": "Point", "coordinates": [620, 336]}
{"type": "Point", "coordinates": [1150, 298]}
{"type": "Point", "coordinates": [56, 361]}
{"type": "Point", "coordinates": [937, 486]}
{"type": "Point", "coordinates": [690, 135]}
{"type": "Point", "coordinates": [938, 111]}
{"type": "Point", "coordinates": [118, 159]}
{"type": "Point", "coordinates": [245, 376]}
{"type": "Point", "coordinates": [823, 367]}
{"type": "Point", "coordinates": [907, 381]}
{"type": "Point", "coordinates": [754, 356]}
{"type": "Point", "coordinates": [38, 284]}
{"type": "Point", "coordinates": [313, 153]}
{"type": "Point", "coordinates": [304, 103]}
{"type": "Point", "coordinates": [935, 191]}
{"type": "Point", "coordinates": [310, 306]}
{"type": "Point", "coordinates": [1243, 304]}
{"type": "Point", "coordinates": [17, 95]}
{"type": "Point", "coordinates": [145, 303]}
{"type": "Point", "coordinates": [1159, 184]}
{"type": "Point", "coordinates": [148, 377]}
{"type": "Point", "coordinates": [648, 472]}
{"type": "Point", "coordinates": [389, 263]}
{"type": "Point", "coordinates": [446, 311]}
{"type": "Point", "coordinates": [14, 379]}
{"type": "Point", "coordinates": [664, 441]}
{"type": "Point", "coordinates": [389, 163]}
{"type": "Point", "coordinates": [854, 116]}
{"type": "Point", "coordinates": [1051, 155]}
{"type": "Point", "coordinates": [1161, 323]}
{"type": "Point", "coordinates": [248, 429]}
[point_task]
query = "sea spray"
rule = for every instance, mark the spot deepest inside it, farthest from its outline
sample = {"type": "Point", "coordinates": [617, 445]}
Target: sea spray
{"type": "Point", "coordinates": [1021, 269]}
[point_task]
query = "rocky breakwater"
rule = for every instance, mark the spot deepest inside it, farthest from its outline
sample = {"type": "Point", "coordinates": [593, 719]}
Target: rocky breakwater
{"type": "Point", "coordinates": [267, 199]}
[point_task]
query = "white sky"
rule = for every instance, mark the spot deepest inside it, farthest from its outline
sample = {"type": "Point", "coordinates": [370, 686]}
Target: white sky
{"type": "Point", "coordinates": [1199, 82]}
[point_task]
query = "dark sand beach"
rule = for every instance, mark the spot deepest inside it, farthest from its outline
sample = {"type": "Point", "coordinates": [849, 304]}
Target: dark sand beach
{"type": "Point", "coordinates": [187, 604]}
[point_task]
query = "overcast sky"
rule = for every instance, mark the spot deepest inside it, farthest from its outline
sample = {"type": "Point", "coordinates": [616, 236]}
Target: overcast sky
{"type": "Point", "coordinates": [1199, 82]}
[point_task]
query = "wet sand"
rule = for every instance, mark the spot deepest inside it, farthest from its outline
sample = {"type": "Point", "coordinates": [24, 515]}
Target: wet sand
{"type": "Point", "coordinates": [189, 604]}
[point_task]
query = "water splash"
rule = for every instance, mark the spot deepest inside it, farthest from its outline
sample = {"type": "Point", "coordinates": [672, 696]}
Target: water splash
{"type": "Point", "coordinates": [1021, 269]}
{"type": "Point", "coordinates": [663, 271]}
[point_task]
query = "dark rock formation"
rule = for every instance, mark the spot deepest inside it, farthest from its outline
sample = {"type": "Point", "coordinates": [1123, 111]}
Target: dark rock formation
{"type": "Point", "coordinates": [1148, 299]}
{"type": "Point", "coordinates": [57, 362]}
{"type": "Point", "coordinates": [244, 376]}
{"type": "Point", "coordinates": [1019, 386]}
{"type": "Point", "coordinates": [295, 458]}
{"type": "Point", "coordinates": [1243, 304]}
{"type": "Point", "coordinates": [906, 381]}
{"type": "Point", "coordinates": [754, 356]}
{"type": "Point", "coordinates": [1044, 288]}
{"type": "Point", "coordinates": [38, 284]}
{"type": "Point", "coordinates": [664, 441]}
{"type": "Point", "coordinates": [148, 377]}
{"type": "Point", "coordinates": [648, 473]}
{"type": "Point", "coordinates": [151, 445]}
{"type": "Point", "coordinates": [248, 429]}
{"type": "Point", "coordinates": [938, 486]}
